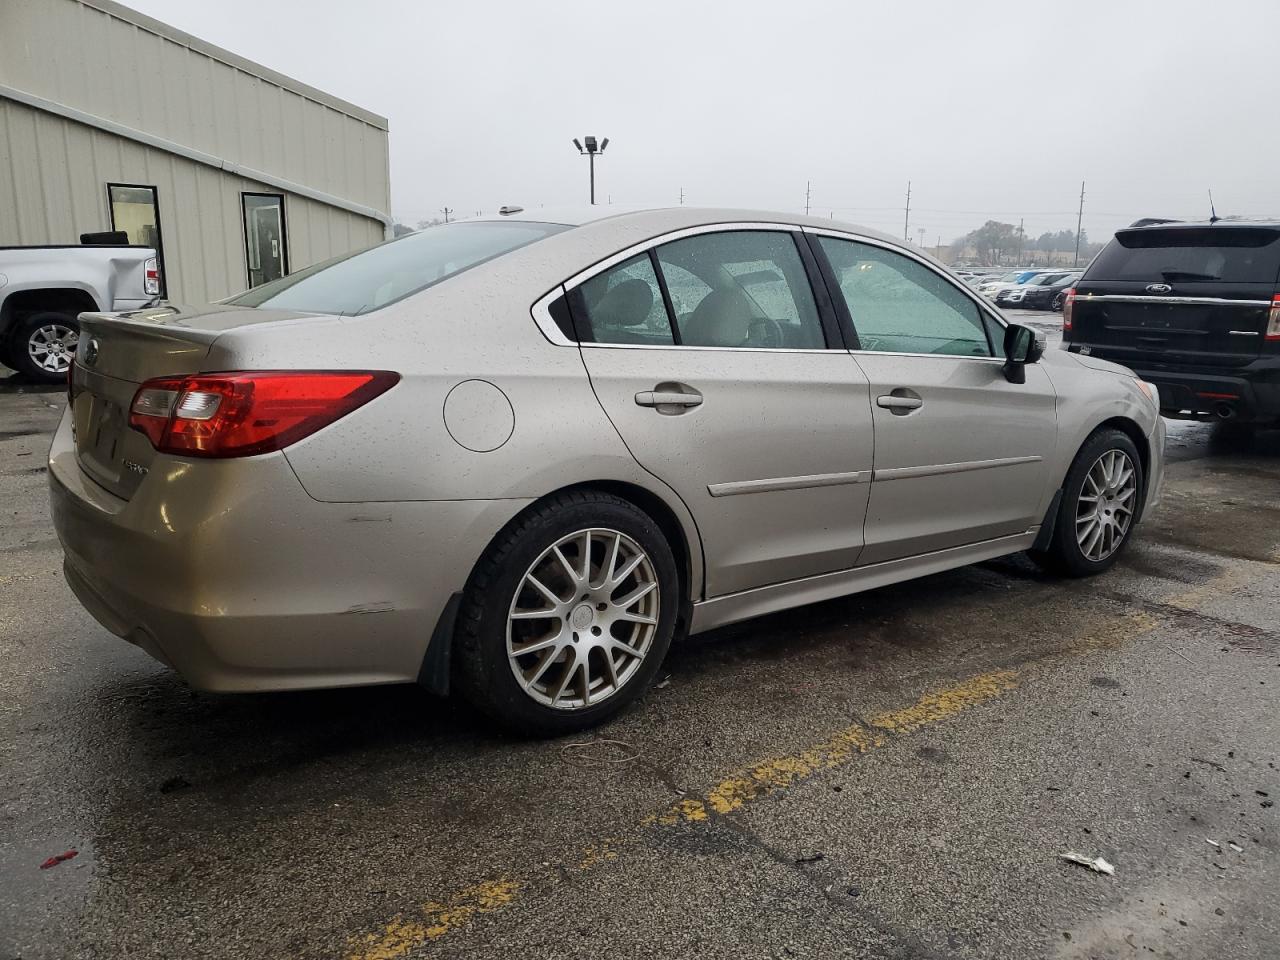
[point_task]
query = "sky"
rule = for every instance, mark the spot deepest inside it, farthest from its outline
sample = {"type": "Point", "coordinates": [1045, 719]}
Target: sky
{"type": "Point", "coordinates": [991, 109]}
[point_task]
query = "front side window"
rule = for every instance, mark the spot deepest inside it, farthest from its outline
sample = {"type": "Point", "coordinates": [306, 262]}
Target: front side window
{"type": "Point", "coordinates": [745, 288]}
{"type": "Point", "coordinates": [135, 210]}
{"type": "Point", "coordinates": [899, 305]}
{"type": "Point", "coordinates": [361, 282]}
{"type": "Point", "coordinates": [622, 305]}
{"type": "Point", "coordinates": [265, 251]}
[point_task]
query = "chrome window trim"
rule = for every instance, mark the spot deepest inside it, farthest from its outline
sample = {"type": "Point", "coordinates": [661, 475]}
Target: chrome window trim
{"type": "Point", "coordinates": [984, 307]}
{"type": "Point", "coordinates": [645, 245]}
{"type": "Point", "coordinates": [935, 356]}
{"type": "Point", "coordinates": [542, 317]}
{"type": "Point", "coordinates": [1135, 298]}
{"type": "Point", "coordinates": [548, 326]}
{"type": "Point", "coordinates": [688, 346]}
{"type": "Point", "coordinates": [739, 487]}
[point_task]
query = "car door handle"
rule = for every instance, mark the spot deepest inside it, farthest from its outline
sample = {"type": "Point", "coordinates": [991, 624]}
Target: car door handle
{"type": "Point", "coordinates": [890, 402]}
{"type": "Point", "coordinates": [665, 398]}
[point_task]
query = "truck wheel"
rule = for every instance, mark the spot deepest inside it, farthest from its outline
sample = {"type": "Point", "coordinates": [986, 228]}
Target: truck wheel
{"type": "Point", "coordinates": [43, 344]}
{"type": "Point", "coordinates": [1100, 502]}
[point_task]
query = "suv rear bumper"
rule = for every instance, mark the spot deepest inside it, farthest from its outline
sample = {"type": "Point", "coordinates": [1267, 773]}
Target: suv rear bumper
{"type": "Point", "coordinates": [1247, 394]}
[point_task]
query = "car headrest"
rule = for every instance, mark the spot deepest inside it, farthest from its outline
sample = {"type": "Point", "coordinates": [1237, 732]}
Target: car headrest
{"type": "Point", "coordinates": [626, 305]}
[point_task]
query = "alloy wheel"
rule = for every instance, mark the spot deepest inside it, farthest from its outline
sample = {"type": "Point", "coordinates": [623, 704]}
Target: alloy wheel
{"type": "Point", "coordinates": [1105, 509]}
{"type": "Point", "coordinates": [52, 346]}
{"type": "Point", "coordinates": [583, 619]}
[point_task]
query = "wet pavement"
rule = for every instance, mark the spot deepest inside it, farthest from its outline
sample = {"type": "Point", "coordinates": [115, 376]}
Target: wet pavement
{"type": "Point", "coordinates": [893, 774]}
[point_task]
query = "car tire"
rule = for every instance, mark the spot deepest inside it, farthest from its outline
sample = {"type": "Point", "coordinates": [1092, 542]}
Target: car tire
{"type": "Point", "coordinates": [54, 330]}
{"type": "Point", "coordinates": [537, 675]}
{"type": "Point", "coordinates": [1056, 306]}
{"type": "Point", "coordinates": [1101, 499]}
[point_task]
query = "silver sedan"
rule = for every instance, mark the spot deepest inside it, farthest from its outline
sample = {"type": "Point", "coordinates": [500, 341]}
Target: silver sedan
{"type": "Point", "coordinates": [517, 457]}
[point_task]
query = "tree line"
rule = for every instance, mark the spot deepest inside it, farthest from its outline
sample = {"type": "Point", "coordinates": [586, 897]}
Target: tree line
{"type": "Point", "coordinates": [995, 243]}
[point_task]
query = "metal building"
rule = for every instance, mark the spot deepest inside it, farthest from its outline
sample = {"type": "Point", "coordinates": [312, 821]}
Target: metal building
{"type": "Point", "coordinates": [110, 120]}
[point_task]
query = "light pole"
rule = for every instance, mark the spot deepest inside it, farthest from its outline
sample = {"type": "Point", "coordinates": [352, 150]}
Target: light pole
{"type": "Point", "coordinates": [591, 149]}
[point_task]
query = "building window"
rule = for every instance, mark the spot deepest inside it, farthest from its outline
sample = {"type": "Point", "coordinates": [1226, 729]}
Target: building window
{"type": "Point", "coordinates": [135, 211]}
{"type": "Point", "coordinates": [265, 249]}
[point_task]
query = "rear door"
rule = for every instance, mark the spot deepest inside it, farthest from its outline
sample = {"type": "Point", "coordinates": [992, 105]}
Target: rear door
{"type": "Point", "coordinates": [713, 360]}
{"type": "Point", "coordinates": [961, 453]}
{"type": "Point", "coordinates": [1179, 294]}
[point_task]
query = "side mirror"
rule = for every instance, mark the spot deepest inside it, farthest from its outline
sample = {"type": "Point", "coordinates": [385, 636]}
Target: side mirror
{"type": "Point", "coordinates": [1020, 348]}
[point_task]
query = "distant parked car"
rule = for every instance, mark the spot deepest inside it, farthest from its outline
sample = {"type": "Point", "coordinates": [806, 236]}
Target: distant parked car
{"type": "Point", "coordinates": [1048, 296]}
{"type": "Point", "coordinates": [584, 435]}
{"type": "Point", "coordinates": [44, 289]}
{"type": "Point", "coordinates": [992, 286]}
{"type": "Point", "coordinates": [1032, 294]}
{"type": "Point", "coordinates": [1192, 307]}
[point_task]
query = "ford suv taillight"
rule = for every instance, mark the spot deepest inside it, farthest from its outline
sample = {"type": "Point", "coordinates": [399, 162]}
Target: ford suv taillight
{"type": "Point", "coordinates": [1068, 302]}
{"type": "Point", "coordinates": [151, 277]}
{"type": "Point", "coordinates": [242, 414]}
{"type": "Point", "coordinates": [1273, 319]}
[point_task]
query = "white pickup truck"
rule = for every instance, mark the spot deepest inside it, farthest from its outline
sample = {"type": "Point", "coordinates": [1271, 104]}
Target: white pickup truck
{"type": "Point", "coordinates": [43, 291]}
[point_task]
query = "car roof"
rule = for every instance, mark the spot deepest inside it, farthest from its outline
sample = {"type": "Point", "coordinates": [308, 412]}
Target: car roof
{"type": "Point", "coordinates": [663, 219]}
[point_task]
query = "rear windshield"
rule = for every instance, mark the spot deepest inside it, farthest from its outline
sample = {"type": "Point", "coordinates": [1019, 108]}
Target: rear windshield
{"type": "Point", "coordinates": [1225, 254]}
{"type": "Point", "coordinates": [362, 282]}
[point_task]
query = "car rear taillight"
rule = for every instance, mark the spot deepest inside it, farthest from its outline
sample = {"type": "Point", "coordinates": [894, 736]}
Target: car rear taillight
{"type": "Point", "coordinates": [242, 414]}
{"type": "Point", "coordinates": [1273, 319]}
{"type": "Point", "coordinates": [1068, 302]}
{"type": "Point", "coordinates": [151, 277]}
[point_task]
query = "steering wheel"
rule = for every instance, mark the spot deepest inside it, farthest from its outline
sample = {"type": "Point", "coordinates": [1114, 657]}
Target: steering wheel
{"type": "Point", "coordinates": [763, 332]}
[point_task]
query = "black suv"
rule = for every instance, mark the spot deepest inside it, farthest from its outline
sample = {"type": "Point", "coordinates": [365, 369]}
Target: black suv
{"type": "Point", "coordinates": [1192, 308]}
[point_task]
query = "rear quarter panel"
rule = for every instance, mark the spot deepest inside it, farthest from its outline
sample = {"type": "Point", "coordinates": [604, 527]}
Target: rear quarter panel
{"type": "Point", "coordinates": [476, 326]}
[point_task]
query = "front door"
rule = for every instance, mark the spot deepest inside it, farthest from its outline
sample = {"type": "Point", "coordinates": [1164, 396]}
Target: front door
{"type": "Point", "coordinates": [961, 453]}
{"type": "Point", "coordinates": [709, 355]}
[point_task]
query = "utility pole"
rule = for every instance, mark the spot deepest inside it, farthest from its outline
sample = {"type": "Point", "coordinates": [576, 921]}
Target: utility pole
{"type": "Point", "coordinates": [1020, 222]}
{"type": "Point", "coordinates": [447, 211]}
{"type": "Point", "coordinates": [591, 149]}
{"type": "Point", "coordinates": [906, 217]}
{"type": "Point", "coordinates": [806, 198]}
{"type": "Point", "coordinates": [682, 196]}
{"type": "Point", "coordinates": [1075, 262]}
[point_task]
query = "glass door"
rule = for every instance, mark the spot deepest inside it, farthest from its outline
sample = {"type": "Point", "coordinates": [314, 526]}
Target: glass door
{"type": "Point", "coordinates": [264, 237]}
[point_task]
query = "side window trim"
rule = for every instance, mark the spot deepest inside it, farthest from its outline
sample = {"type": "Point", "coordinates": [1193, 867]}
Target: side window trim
{"type": "Point", "coordinates": [822, 296]}
{"type": "Point", "coordinates": [831, 287]}
{"type": "Point", "coordinates": [666, 296]}
{"type": "Point", "coordinates": [985, 312]}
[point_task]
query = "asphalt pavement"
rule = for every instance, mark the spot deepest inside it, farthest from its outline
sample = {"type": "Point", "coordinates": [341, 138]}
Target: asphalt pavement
{"type": "Point", "coordinates": [890, 775]}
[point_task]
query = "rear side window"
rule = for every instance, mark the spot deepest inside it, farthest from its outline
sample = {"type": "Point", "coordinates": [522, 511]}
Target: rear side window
{"type": "Point", "coordinates": [362, 282]}
{"type": "Point", "coordinates": [1190, 255]}
{"type": "Point", "coordinates": [744, 288]}
{"type": "Point", "coordinates": [622, 305]}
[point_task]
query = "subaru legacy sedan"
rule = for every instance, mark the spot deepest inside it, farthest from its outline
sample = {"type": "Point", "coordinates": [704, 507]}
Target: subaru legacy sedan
{"type": "Point", "coordinates": [517, 457]}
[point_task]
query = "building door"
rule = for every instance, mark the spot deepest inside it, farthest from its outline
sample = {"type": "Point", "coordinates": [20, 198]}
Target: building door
{"type": "Point", "coordinates": [135, 211]}
{"type": "Point", "coordinates": [264, 237]}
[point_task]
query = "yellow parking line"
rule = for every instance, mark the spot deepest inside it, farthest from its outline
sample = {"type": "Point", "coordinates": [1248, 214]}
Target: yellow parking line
{"type": "Point", "coordinates": [435, 920]}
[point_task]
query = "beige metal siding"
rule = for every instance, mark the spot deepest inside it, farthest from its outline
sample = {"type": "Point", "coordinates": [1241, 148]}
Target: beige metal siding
{"type": "Point", "coordinates": [53, 177]}
{"type": "Point", "coordinates": [111, 62]}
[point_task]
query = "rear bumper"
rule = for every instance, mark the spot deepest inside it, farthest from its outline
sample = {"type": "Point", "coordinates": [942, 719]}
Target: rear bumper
{"type": "Point", "coordinates": [1216, 395]}
{"type": "Point", "coordinates": [1249, 394]}
{"type": "Point", "coordinates": [230, 573]}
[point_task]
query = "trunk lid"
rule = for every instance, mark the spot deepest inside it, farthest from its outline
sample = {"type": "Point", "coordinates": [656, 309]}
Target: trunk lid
{"type": "Point", "coordinates": [116, 353]}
